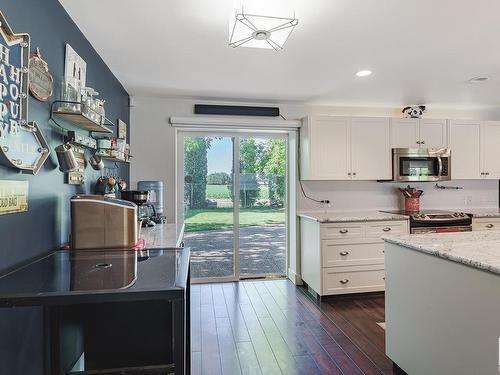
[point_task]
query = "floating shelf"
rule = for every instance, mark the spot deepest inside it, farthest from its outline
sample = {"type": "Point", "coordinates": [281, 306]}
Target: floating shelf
{"type": "Point", "coordinates": [112, 158]}
{"type": "Point", "coordinates": [79, 118]}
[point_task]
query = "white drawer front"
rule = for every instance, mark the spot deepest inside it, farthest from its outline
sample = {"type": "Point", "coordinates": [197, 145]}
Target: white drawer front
{"type": "Point", "coordinates": [339, 231]}
{"type": "Point", "coordinates": [353, 281]}
{"type": "Point", "coordinates": [334, 254]}
{"type": "Point", "coordinates": [486, 224]}
{"type": "Point", "coordinates": [378, 229]}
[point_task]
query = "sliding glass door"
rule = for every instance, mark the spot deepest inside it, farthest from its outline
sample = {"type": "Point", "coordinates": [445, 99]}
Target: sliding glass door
{"type": "Point", "coordinates": [234, 210]}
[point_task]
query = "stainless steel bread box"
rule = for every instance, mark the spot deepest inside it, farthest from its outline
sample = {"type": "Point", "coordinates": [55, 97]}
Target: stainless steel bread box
{"type": "Point", "coordinates": [99, 222]}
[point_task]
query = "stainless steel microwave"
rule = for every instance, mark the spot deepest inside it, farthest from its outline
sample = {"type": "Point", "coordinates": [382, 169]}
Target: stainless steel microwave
{"type": "Point", "coordinates": [421, 164]}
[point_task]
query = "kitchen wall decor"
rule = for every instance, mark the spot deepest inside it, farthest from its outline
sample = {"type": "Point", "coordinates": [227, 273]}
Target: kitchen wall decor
{"type": "Point", "coordinates": [22, 144]}
{"type": "Point", "coordinates": [13, 196]}
{"type": "Point", "coordinates": [122, 129]}
{"type": "Point", "coordinates": [40, 80]}
{"type": "Point", "coordinates": [75, 69]}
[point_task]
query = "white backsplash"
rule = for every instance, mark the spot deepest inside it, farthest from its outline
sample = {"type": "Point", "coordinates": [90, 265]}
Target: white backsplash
{"type": "Point", "coordinates": [368, 195]}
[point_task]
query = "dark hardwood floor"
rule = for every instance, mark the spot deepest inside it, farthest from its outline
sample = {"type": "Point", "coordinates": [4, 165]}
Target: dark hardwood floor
{"type": "Point", "coordinates": [273, 327]}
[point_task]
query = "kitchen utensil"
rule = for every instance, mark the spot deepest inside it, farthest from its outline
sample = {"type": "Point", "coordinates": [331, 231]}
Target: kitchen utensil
{"type": "Point", "coordinates": [96, 162]}
{"type": "Point", "coordinates": [66, 158]}
{"type": "Point", "coordinates": [406, 193]}
{"type": "Point", "coordinates": [122, 184]}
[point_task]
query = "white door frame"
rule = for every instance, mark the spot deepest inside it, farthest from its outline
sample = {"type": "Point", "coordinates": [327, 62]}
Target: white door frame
{"type": "Point", "coordinates": [180, 134]}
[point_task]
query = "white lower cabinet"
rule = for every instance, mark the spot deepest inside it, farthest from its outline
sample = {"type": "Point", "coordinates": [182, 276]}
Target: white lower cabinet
{"type": "Point", "coordinates": [486, 223]}
{"type": "Point", "coordinates": [342, 258]}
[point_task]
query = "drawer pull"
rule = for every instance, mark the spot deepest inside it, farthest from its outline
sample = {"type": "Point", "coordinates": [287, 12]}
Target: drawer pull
{"type": "Point", "coordinates": [344, 253]}
{"type": "Point", "coordinates": [343, 231]}
{"type": "Point", "coordinates": [383, 278]}
{"type": "Point", "coordinates": [344, 281]}
{"type": "Point", "coordinates": [386, 229]}
{"type": "Point", "coordinates": [103, 265]}
{"type": "Point", "coordinates": [489, 226]}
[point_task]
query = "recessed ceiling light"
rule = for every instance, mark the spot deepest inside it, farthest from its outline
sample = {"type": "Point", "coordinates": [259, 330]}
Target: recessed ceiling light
{"type": "Point", "coordinates": [478, 79]}
{"type": "Point", "coordinates": [364, 73]}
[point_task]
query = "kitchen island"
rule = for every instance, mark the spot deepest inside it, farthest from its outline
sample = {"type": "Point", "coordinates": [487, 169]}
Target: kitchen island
{"type": "Point", "coordinates": [442, 307]}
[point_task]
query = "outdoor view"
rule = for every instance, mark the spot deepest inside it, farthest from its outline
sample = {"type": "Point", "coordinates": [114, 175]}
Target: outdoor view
{"type": "Point", "coordinates": [209, 201]}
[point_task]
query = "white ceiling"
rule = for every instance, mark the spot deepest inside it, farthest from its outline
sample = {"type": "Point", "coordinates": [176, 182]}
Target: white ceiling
{"type": "Point", "coordinates": [421, 51]}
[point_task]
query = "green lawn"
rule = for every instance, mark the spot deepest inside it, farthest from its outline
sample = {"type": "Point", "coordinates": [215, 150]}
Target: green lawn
{"type": "Point", "coordinates": [222, 192]}
{"type": "Point", "coordinates": [222, 218]}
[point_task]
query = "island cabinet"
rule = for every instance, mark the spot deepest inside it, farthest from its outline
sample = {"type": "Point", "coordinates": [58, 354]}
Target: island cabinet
{"type": "Point", "coordinates": [345, 148]}
{"type": "Point", "coordinates": [345, 257]}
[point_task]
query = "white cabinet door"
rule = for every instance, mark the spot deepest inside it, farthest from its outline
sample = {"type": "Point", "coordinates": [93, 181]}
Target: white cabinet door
{"type": "Point", "coordinates": [371, 148]}
{"type": "Point", "coordinates": [404, 133]}
{"type": "Point", "coordinates": [329, 148]}
{"type": "Point", "coordinates": [465, 145]}
{"type": "Point", "coordinates": [490, 149]}
{"type": "Point", "coordinates": [432, 133]}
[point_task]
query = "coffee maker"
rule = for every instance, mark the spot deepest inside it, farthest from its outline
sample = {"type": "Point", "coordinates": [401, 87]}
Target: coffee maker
{"type": "Point", "coordinates": [146, 211]}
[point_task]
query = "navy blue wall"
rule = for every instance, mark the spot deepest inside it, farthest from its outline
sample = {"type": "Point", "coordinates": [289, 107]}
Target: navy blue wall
{"type": "Point", "coordinates": [46, 224]}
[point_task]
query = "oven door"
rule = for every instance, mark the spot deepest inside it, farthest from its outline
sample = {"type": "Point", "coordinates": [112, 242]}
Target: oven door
{"type": "Point", "coordinates": [421, 164]}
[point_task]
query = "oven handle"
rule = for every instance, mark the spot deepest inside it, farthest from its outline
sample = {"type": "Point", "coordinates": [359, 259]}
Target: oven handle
{"type": "Point", "coordinates": [440, 166]}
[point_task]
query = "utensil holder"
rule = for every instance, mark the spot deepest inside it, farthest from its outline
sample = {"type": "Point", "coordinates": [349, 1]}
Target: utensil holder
{"type": "Point", "coordinates": [412, 204]}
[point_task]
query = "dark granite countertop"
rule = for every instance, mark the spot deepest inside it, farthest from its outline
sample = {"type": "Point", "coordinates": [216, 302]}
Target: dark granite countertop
{"type": "Point", "coordinates": [85, 276]}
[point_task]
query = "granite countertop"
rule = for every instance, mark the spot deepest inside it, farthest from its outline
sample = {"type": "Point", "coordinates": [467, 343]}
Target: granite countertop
{"type": "Point", "coordinates": [347, 216]}
{"type": "Point", "coordinates": [479, 249]}
{"type": "Point", "coordinates": [163, 236]}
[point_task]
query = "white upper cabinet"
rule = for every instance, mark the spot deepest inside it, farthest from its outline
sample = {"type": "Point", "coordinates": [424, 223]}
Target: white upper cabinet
{"type": "Point", "coordinates": [371, 148]}
{"type": "Point", "coordinates": [465, 145]}
{"type": "Point", "coordinates": [432, 133]}
{"type": "Point", "coordinates": [345, 148]}
{"type": "Point", "coordinates": [490, 150]}
{"type": "Point", "coordinates": [416, 133]}
{"type": "Point", "coordinates": [405, 133]}
{"type": "Point", "coordinates": [325, 148]}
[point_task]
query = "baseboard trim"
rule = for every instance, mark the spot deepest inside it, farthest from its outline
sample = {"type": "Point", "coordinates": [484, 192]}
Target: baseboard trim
{"type": "Point", "coordinates": [294, 277]}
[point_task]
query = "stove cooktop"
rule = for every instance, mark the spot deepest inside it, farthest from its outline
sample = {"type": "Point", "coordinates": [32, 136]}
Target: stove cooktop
{"type": "Point", "coordinates": [435, 217]}
{"type": "Point", "coordinates": [422, 212]}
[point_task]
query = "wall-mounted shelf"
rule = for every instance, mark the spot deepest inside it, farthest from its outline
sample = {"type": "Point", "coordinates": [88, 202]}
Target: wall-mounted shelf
{"type": "Point", "coordinates": [79, 117]}
{"type": "Point", "coordinates": [112, 158]}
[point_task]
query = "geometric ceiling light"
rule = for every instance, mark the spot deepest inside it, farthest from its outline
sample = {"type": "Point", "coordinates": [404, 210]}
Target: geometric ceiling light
{"type": "Point", "coordinates": [257, 31]}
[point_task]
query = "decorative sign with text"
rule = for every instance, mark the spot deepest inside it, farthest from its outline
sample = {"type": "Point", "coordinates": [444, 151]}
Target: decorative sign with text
{"type": "Point", "coordinates": [40, 80]}
{"type": "Point", "coordinates": [13, 196]}
{"type": "Point", "coordinates": [22, 144]}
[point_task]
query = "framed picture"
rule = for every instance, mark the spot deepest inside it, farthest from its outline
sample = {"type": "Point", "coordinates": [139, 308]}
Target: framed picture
{"type": "Point", "coordinates": [122, 129]}
{"type": "Point", "coordinates": [75, 68]}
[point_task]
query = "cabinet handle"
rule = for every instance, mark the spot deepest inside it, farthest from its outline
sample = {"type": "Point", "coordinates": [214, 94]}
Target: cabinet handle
{"type": "Point", "coordinates": [344, 281]}
{"type": "Point", "coordinates": [489, 226]}
{"type": "Point", "coordinates": [344, 253]}
{"type": "Point", "coordinates": [386, 229]}
{"type": "Point", "coordinates": [482, 173]}
{"type": "Point", "coordinates": [383, 278]}
{"type": "Point", "coordinates": [422, 142]}
{"type": "Point", "coordinates": [103, 265]}
{"type": "Point", "coordinates": [487, 173]}
{"type": "Point", "coordinates": [418, 142]}
{"type": "Point", "coordinates": [348, 173]}
{"type": "Point", "coordinates": [343, 231]}
{"type": "Point", "coordinates": [354, 173]}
